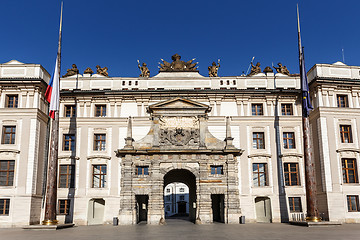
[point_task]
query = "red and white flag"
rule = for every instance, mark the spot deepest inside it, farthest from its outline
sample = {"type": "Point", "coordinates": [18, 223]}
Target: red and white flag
{"type": "Point", "coordinates": [52, 94]}
{"type": "Point", "coordinates": [53, 90]}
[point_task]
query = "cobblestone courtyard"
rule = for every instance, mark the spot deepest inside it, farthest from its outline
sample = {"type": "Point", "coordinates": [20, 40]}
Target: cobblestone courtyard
{"type": "Point", "coordinates": [177, 229]}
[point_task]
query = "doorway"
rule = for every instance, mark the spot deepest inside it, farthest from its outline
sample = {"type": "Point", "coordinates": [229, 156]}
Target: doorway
{"type": "Point", "coordinates": [263, 210]}
{"type": "Point", "coordinates": [180, 195]}
{"type": "Point", "coordinates": [141, 207]}
{"type": "Point", "coordinates": [96, 211]}
{"type": "Point", "coordinates": [182, 208]}
{"type": "Point", "coordinates": [217, 206]}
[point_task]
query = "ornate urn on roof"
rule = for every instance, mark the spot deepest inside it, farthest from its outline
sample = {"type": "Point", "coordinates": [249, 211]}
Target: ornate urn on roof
{"type": "Point", "coordinates": [177, 65]}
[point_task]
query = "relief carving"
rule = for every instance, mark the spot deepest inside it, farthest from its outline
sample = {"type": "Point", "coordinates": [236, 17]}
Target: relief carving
{"type": "Point", "coordinates": [179, 131]}
{"type": "Point", "coordinates": [179, 136]}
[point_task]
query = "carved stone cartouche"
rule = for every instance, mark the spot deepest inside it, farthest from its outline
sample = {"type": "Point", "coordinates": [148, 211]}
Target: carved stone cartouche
{"type": "Point", "coordinates": [179, 136]}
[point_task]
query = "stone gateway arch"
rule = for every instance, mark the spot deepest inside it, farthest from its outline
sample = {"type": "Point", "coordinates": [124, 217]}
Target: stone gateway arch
{"type": "Point", "coordinates": [179, 148]}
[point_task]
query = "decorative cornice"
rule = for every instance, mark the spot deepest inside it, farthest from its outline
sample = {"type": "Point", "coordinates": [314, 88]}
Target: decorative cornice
{"type": "Point", "coordinates": [9, 151]}
{"type": "Point", "coordinates": [123, 152]}
{"type": "Point", "coordinates": [259, 155]}
{"type": "Point", "coordinates": [291, 155]}
{"type": "Point", "coordinates": [348, 150]}
{"type": "Point", "coordinates": [68, 157]}
{"type": "Point", "coordinates": [98, 156]}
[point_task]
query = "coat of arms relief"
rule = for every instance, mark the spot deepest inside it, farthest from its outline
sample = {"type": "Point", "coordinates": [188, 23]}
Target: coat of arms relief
{"type": "Point", "coordinates": [179, 131]}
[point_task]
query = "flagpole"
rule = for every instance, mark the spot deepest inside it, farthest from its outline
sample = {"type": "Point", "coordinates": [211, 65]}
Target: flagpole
{"type": "Point", "coordinates": [310, 177]}
{"type": "Point", "coordinates": [51, 191]}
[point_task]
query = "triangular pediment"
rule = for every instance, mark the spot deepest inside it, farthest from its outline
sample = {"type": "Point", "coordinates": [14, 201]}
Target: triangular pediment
{"type": "Point", "coordinates": [179, 103]}
{"type": "Point", "coordinates": [12, 62]}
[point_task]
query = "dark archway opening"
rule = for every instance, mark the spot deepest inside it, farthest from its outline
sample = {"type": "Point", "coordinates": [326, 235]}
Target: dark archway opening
{"type": "Point", "coordinates": [188, 178]}
{"type": "Point", "coordinates": [217, 206]}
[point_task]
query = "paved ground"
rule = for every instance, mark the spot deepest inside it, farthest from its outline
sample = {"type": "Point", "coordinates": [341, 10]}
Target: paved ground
{"type": "Point", "coordinates": [179, 229]}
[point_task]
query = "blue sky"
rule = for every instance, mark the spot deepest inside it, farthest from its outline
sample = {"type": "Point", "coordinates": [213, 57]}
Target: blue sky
{"type": "Point", "coordinates": [116, 33]}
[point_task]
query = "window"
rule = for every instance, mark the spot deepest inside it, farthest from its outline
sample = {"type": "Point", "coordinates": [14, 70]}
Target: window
{"type": "Point", "coordinates": [11, 101]}
{"type": "Point", "coordinates": [167, 198]}
{"type": "Point", "coordinates": [64, 206]}
{"type": "Point", "coordinates": [99, 142]}
{"type": "Point", "coordinates": [167, 208]}
{"type": "Point", "coordinates": [100, 110]}
{"type": "Point", "coordinates": [69, 142]}
{"type": "Point", "coordinates": [7, 172]}
{"type": "Point", "coordinates": [353, 203]}
{"type": "Point", "coordinates": [4, 206]}
{"type": "Point", "coordinates": [182, 197]}
{"type": "Point", "coordinates": [295, 204]}
{"type": "Point", "coordinates": [289, 140]}
{"type": "Point", "coordinates": [286, 109]}
{"type": "Point", "coordinates": [168, 190]}
{"type": "Point", "coordinates": [142, 170]}
{"type": "Point", "coordinates": [258, 140]}
{"type": "Point", "coordinates": [342, 101]}
{"type": "Point", "coordinates": [257, 109]}
{"type": "Point", "coordinates": [349, 171]}
{"type": "Point", "coordinates": [345, 134]}
{"type": "Point", "coordinates": [217, 170]}
{"type": "Point", "coordinates": [99, 176]}
{"type": "Point", "coordinates": [259, 174]}
{"type": "Point", "coordinates": [67, 176]}
{"type": "Point", "coordinates": [8, 136]}
{"type": "Point", "coordinates": [70, 110]}
{"type": "Point", "coordinates": [291, 171]}
{"type": "Point", "coordinates": [182, 190]}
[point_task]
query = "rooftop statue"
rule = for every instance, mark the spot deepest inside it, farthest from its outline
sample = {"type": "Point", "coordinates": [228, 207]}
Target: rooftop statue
{"type": "Point", "coordinates": [102, 71]}
{"type": "Point", "coordinates": [213, 69]}
{"type": "Point", "coordinates": [71, 72]}
{"type": "Point", "coordinates": [177, 65]}
{"type": "Point", "coordinates": [255, 69]}
{"type": "Point", "coordinates": [282, 69]}
{"type": "Point", "coordinates": [268, 70]}
{"type": "Point", "coordinates": [88, 71]}
{"type": "Point", "coordinates": [145, 72]}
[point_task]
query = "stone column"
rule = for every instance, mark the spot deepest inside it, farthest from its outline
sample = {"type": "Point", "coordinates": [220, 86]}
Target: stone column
{"type": "Point", "coordinates": [203, 195]}
{"type": "Point", "coordinates": [156, 198]}
{"type": "Point", "coordinates": [127, 213]}
{"type": "Point", "coordinates": [232, 203]}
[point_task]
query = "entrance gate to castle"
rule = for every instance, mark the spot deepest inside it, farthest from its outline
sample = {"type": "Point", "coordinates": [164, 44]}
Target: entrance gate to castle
{"type": "Point", "coordinates": [179, 148]}
{"type": "Point", "coordinates": [188, 178]}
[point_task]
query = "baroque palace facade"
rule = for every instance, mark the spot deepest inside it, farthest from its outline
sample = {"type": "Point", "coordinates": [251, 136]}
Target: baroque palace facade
{"type": "Point", "coordinates": [235, 142]}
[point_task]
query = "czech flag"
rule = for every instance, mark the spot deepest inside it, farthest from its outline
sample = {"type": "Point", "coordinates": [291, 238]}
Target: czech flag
{"type": "Point", "coordinates": [53, 90]}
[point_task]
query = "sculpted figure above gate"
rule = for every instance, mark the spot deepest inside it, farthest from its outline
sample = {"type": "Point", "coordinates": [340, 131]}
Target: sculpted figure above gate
{"type": "Point", "coordinates": [177, 65]}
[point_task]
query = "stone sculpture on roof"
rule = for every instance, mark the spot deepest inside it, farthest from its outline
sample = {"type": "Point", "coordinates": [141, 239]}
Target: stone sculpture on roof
{"type": "Point", "coordinates": [145, 72]}
{"type": "Point", "coordinates": [88, 71]}
{"type": "Point", "coordinates": [72, 71]}
{"type": "Point", "coordinates": [177, 65]}
{"type": "Point", "coordinates": [102, 71]}
{"type": "Point", "coordinates": [268, 70]}
{"type": "Point", "coordinates": [213, 69]}
{"type": "Point", "coordinates": [255, 69]}
{"type": "Point", "coordinates": [282, 69]}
